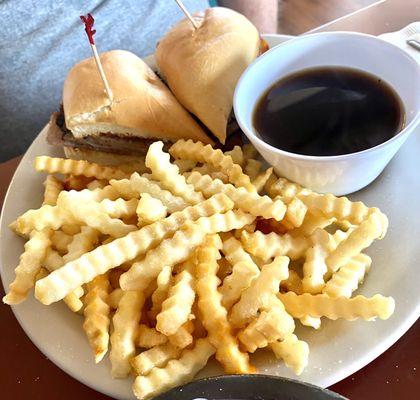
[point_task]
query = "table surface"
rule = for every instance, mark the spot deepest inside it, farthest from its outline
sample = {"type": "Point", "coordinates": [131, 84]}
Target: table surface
{"type": "Point", "coordinates": [25, 370]}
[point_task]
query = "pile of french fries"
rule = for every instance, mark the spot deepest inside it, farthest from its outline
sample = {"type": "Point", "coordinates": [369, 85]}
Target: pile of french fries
{"type": "Point", "coordinates": [172, 262]}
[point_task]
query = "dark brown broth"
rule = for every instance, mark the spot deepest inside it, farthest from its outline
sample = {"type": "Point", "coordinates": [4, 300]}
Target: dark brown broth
{"type": "Point", "coordinates": [328, 111]}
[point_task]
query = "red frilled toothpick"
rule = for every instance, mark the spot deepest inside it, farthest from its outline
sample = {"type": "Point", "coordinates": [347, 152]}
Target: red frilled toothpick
{"type": "Point", "coordinates": [88, 20]}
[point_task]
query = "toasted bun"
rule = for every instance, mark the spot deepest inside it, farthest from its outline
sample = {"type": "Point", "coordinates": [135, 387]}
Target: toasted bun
{"type": "Point", "coordinates": [99, 157]}
{"type": "Point", "coordinates": [142, 105]}
{"type": "Point", "coordinates": [202, 66]}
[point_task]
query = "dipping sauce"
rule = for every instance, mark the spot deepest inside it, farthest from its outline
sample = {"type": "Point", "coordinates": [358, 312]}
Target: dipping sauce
{"type": "Point", "coordinates": [328, 111]}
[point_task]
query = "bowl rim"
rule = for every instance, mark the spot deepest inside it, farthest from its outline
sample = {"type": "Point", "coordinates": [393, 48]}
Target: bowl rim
{"type": "Point", "coordinates": [406, 131]}
{"type": "Point", "coordinates": [250, 377]}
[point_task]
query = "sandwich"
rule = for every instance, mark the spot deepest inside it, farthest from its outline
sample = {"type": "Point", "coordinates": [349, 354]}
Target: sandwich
{"type": "Point", "coordinates": [91, 127]}
{"type": "Point", "coordinates": [202, 66]}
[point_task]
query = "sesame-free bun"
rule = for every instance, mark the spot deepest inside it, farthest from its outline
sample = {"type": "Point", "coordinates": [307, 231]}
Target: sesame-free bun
{"type": "Point", "coordinates": [202, 66]}
{"type": "Point", "coordinates": [142, 105]}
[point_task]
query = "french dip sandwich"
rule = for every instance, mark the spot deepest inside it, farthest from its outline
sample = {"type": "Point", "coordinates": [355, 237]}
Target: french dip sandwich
{"type": "Point", "coordinates": [202, 66]}
{"type": "Point", "coordinates": [143, 110]}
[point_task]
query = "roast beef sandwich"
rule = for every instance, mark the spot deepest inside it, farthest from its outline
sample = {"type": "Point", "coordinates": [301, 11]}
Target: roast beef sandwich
{"type": "Point", "coordinates": [142, 110]}
{"type": "Point", "coordinates": [202, 66]}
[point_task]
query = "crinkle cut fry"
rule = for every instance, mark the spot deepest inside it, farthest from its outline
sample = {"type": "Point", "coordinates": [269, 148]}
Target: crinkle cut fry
{"type": "Point", "coordinates": [294, 353]}
{"type": "Point", "coordinates": [54, 261]}
{"type": "Point", "coordinates": [321, 305]}
{"type": "Point", "coordinates": [149, 337]}
{"type": "Point", "coordinates": [175, 373]}
{"type": "Point", "coordinates": [244, 270]}
{"type": "Point", "coordinates": [30, 263]}
{"type": "Point", "coordinates": [259, 294]}
{"type": "Point", "coordinates": [60, 241]}
{"type": "Point", "coordinates": [136, 185]}
{"type": "Point", "coordinates": [183, 336]}
{"type": "Point", "coordinates": [250, 202]}
{"type": "Point", "coordinates": [75, 273]}
{"type": "Point", "coordinates": [44, 217]}
{"type": "Point", "coordinates": [176, 309]}
{"type": "Point", "coordinates": [293, 283]}
{"type": "Point", "coordinates": [337, 207]}
{"type": "Point", "coordinates": [159, 295]}
{"type": "Point", "coordinates": [234, 252]}
{"type": "Point", "coordinates": [53, 187]}
{"type": "Point", "coordinates": [178, 248]}
{"type": "Point", "coordinates": [213, 314]}
{"type": "Point", "coordinates": [311, 223]}
{"type": "Point", "coordinates": [347, 278]}
{"type": "Point", "coordinates": [261, 179]}
{"type": "Point", "coordinates": [286, 189]}
{"type": "Point", "coordinates": [93, 214]}
{"type": "Point", "coordinates": [272, 324]}
{"type": "Point", "coordinates": [315, 267]}
{"type": "Point", "coordinates": [115, 297]}
{"type": "Point", "coordinates": [123, 336]}
{"type": "Point", "coordinates": [252, 168]}
{"type": "Point", "coordinates": [236, 154]}
{"type": "Point", "coordinates": [185, 165]}
{"type": "Point", "coordinates": [295, 213]}
{"type": "Point", "coordinates": [42, 273]}
{"type": "Point", "coordinates": [142, 184]}
{"type": "Point", "coordinates": [119, 208]}
{"type": "Point", "coordinates": [54, 165]}
{"type": "Point", "coordinates": [273, 245]}
{"type": "Point", "coordinates": [168, 174]}
{"type": "Point", "coordinates": [81, 243]}
{"type": "Point", "coordinates": [97, 184]}
{"type": "Point", "coordinates": [328, 205]}
{"type": "Point", "coordinates": [157, 356]}
{"type": "Point", "coordinates": [374, 227]}
{"type": "Point", "coordinates": [312, 322]}
{"type": "Point", "coordinates": [150, 210]}
{"type": "Point", "coordinates": [97, 315]}
{"type": "Point", "coordinates": [197, 151]}
{"type": "Point", "coordinates": [99, 194]}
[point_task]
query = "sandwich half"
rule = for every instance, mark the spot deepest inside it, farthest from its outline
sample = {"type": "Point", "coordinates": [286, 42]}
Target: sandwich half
{"type": "Point", "coordinates": [142, 110]}
{"type": "Point", "coordinates": [202, 66]}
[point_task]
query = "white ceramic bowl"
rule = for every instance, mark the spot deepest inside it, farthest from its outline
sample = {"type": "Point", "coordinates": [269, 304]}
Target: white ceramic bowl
{"type": "Point", "coordinates": [334, 174]}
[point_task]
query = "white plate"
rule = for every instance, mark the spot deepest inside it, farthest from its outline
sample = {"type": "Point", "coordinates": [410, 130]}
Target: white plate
{"type": "Point", "coordinates": [337, 350]}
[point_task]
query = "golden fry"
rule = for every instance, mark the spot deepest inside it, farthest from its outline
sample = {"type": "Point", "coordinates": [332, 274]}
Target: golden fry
{"type": "Point", "coordinates": [125, 322]}
{"type": "Point", "coordinates": [97, 315]}
{"type": "Point", "coordinates": [149, 337]}
{"type": "Point", "coordinates": [30, 263]}
{"type": "Point", "coordinates": [75, 273]}
{"type": "Point", "coordinates": [178, 248]}
{"type": "Point", "coordinates": [175, 373]}
{"type": "Point", "coordinates": [197, 151]}
{"type": "Point", "coordinates": [53, 187]}
{"type": "Point", "coordinates": [168, 174]}
{"type": "Point", "coordinates": [54, 165]}
{"type": "Point", "coordinates": [214, 315]}
{"type": "Point", "coordinates": [321, 305]}
{"type": "Point", "coordinates": [258, 295]}
{"type": "Point", "coordinates": [250, 202]}
{"type": "Point", "coordinates": [157, 356]}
